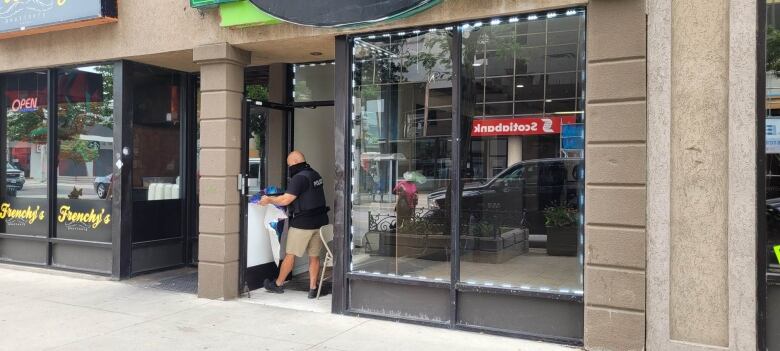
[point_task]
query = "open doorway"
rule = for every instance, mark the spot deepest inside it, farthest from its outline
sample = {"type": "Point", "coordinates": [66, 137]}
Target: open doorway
{"type": "Point", "coordinates": [288, 107]}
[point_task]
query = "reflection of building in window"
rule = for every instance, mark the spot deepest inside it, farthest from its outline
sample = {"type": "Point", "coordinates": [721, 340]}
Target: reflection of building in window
{"type": "Point", "coordinates": [528, 69]}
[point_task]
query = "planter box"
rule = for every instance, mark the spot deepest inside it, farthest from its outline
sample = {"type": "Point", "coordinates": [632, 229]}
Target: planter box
{"type": "Point", "coordinates": [562, 241]}
{"type": "Point", "coordinates": [507, 239]}
{"type": "Point", "coordinates": [436, 247]}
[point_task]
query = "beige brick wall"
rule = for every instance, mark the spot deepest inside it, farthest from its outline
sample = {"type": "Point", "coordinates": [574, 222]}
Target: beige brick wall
{"type": "Point", "coordinates": [616, 171]}
{"type": "Point", "coordinates": [701, 241]}
{"type": "Point", "coordinates": [222, 86]}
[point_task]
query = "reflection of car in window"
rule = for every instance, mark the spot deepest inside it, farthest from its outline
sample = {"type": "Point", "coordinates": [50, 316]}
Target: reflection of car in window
{"type": "Point", "coordinates": [522, 191]}
{"type": "Point", "coordinates": [256, 174]}
{"type": "Point", "coordinates": [14, 179]}
{"type": "Point", "coordinates": [103, 185]}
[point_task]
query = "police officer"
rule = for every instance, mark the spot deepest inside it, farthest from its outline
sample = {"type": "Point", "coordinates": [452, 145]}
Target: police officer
{"type": "Point", "coordinates": [308, 213]}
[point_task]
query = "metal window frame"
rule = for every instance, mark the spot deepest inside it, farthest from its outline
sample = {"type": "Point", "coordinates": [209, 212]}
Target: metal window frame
{"type": "Point", "coordinates": [342, 239]}
{"type": "Point", "coordinates": [50, 238]}
{"type": "Point", "coordinates": [121, 226]}
{"type": "Point", "coordinates": [762, 259]}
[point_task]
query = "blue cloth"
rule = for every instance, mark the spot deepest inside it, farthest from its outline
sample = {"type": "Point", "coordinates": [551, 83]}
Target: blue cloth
{"type": "Point", "coordinates": [269, 190]}
{"type": "Point", "coordinates": [272, 191]}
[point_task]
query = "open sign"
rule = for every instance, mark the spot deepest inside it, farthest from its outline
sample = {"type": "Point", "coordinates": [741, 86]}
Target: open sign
{"type": "Point", "coordinates": [24, 105]}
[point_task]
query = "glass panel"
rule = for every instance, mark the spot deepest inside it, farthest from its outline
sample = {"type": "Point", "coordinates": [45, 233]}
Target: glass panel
{"type": "Point", "coordinates": [520, 219]}
{"type": "Point", "coordinates": [500, 63]}
{"type": "Point", "coordinates": [561, 85]}
{"type": "Point", "coordinates": [85, 138]}
{"type": "Point", "coordinates": [531, 40]}
{"type": "Point", "coordinates": [504, 109]}
{"type": "Point", "coordinates": [402, 157]}
{"type": "Point", "coordinates": [314, 82]}
{"type": "Point", "coordinates": [562, 58]}
{"type": "Point", "coordinates": [558, 38]}
{"type": "Point", "coordinates": [528, 27]}
{"type": "Point", "coordinates": [530, 60]}
{"type": "Point", "coordinates": [565, 23]}
{"type": "Point", "coordinates": [258, 119]}
{"type": "Point", "coordinates": [560, 106]}
{"type": "Point", "coordinates": [530, 87]}
{"type": "Point", "coordinates": [499, 89]}
{"type": "Point", "coordinates": [529, 108]}
{"type": "Point", "coordinates": [24, 210]}
{"type": "Point", "coordinates": [156, 183]}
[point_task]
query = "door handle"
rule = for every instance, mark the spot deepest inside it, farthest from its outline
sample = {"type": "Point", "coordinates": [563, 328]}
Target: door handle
{"type": "Point", "coordinates": [241, 185]}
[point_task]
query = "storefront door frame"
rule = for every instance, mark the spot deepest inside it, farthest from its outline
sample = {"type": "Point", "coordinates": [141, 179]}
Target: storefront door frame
{"type": "Point", "coordinates": [188, 167]}
{"type": "Point", "coordinates": [245, 277]}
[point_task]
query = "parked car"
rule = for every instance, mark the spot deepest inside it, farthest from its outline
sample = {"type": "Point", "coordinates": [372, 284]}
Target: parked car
{"type": "Point", "coordinates": [520, 193]}
{"type": "Point", "coordinates": [102, 185]}
{"type": "Point", "coordinates": [14, 179]}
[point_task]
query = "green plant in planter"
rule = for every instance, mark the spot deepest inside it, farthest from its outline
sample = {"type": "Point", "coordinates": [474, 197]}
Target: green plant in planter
{"type": "Point", "coordinates": [561, 223]}
{"type": "Point", "coordinates": [560, 216]}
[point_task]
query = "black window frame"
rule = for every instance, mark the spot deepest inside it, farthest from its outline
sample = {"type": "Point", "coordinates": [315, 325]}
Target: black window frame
{"type": "Point", "coordinates": [50, 237]}
{"type": "Point", "coordinates": [344, 277]}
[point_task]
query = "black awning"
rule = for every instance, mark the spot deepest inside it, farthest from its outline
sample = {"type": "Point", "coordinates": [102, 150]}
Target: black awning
{"type": "Point", "coordinates": [339, 13]}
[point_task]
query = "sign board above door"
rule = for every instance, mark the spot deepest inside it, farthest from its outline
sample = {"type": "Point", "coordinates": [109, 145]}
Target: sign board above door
{"type": "Point", "coordinates": [27, 17]}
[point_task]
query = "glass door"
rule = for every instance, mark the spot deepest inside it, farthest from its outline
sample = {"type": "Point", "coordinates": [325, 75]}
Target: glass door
{"type": "Point", "coordinates": [157, 165]}
{"type": "Point", "coordinates": [257, 246]}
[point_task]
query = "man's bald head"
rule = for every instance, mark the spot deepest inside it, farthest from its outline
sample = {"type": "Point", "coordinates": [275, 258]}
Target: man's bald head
{"type": "Point", "coordinates": [295, 158]}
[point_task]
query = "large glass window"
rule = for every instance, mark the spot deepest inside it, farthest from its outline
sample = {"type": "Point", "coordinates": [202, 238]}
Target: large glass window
{"type": "Point", "coordinates": [85, 140]}
{"type": "Point", "coordinates": [24, 210]}
{"type": "Point", "coordinates": [521, 160]}
{"type": "Point", "coordinates": [522, 196]}
{"type": "Point", "coordinates": [402, 154]}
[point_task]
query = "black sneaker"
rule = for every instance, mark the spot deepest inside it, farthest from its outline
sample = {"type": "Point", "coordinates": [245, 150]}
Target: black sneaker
{"type": "Point", "coordinates": [313, 293]}
{"type": "Point", "coordinates": [270, 286]}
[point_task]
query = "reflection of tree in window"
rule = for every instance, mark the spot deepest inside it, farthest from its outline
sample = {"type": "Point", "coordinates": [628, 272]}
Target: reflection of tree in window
{"type": "Point", "coordinates": [85, 105]}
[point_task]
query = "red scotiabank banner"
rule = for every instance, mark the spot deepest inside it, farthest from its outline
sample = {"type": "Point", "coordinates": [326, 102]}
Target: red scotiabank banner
{"type": "Point", "coordinates": [485, 127]}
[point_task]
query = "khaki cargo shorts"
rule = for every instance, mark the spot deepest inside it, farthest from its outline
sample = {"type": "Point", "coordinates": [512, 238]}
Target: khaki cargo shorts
{"type": "Point", "coordinates": [300, 241]}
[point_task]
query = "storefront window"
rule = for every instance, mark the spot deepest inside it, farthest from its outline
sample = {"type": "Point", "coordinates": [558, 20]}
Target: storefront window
{"type": "Point", "coordinates": [522, 196]}
{"type": "Point", "coordinates": [25, 205]}
{"type": "Point", "coordinates": [85, 123]}
{"type": "Point", "coordinates": [521, 168]}
{"type": "Point", "coordinates": [402, 155]}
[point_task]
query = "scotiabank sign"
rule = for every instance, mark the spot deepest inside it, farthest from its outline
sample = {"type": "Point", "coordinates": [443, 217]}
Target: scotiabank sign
{"type": "Point", "coordinates": [25, 17]}
{"type": "Point", "coordinates": [486, 127]}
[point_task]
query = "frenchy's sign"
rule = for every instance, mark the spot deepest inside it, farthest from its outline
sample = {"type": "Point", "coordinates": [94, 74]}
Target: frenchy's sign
{"type": "Point", "coordinates": [25, 17]}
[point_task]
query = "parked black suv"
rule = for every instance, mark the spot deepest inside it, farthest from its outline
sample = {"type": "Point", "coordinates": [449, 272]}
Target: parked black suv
{"type": "Point", "coordinates": [521, 192]}
{"type": "Point", "coordinates": [14, 179]}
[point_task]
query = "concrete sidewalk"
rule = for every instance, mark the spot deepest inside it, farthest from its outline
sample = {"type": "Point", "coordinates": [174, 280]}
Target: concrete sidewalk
{"type": "Point", "coordinates": [41, 310]}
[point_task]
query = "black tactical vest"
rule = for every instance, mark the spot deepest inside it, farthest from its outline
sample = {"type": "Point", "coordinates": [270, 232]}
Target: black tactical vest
{"type": "Point", "coordinates": [312, 201]}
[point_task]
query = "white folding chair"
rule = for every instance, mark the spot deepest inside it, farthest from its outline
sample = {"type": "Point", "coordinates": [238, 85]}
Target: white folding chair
{"type": "Point", "coordinates": [326, 235]}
